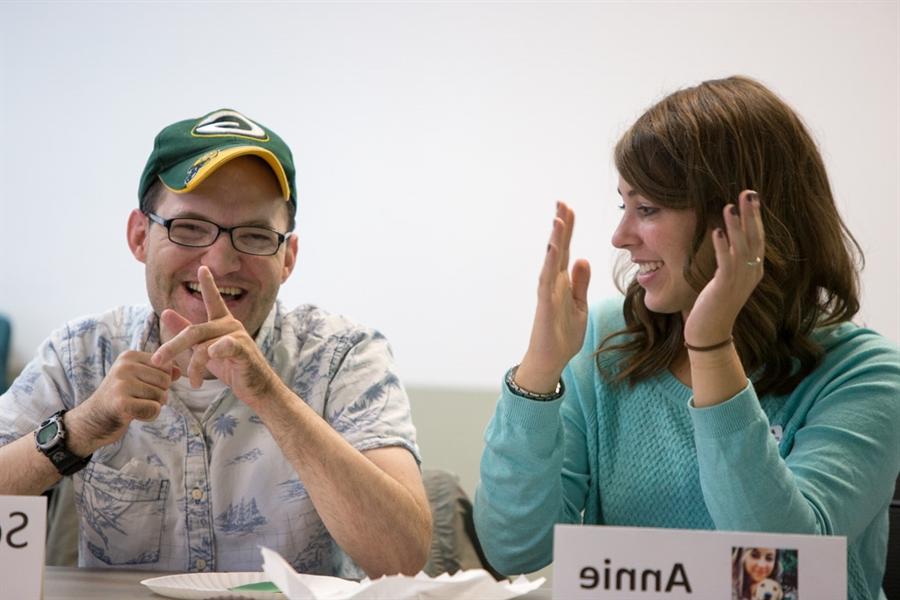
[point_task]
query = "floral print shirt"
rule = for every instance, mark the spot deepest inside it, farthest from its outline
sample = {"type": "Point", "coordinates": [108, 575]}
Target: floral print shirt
{"type": "Point", "coordinates": [189, 493]}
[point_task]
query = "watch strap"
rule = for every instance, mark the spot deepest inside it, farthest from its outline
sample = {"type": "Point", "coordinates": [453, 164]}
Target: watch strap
{"type": "Point", "coordinates": [67, 463]}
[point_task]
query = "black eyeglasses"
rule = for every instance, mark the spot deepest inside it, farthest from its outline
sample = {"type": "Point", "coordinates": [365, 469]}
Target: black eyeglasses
{"type": "Point", "coordinates": [199, 233]}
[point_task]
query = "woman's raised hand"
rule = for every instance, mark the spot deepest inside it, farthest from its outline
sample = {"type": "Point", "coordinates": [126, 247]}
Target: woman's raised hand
{"type": "Point", "coordinates": [562, 310]}
{"type": "Point", "coordinates": [739, 268]}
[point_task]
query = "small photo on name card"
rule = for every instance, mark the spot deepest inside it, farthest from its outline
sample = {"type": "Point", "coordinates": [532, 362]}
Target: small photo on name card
{"type": "Point", "coordinates": [761, 573]}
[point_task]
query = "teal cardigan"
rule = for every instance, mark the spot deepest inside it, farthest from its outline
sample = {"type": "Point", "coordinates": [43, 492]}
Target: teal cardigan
{"type": "Point", "coordinates": [643, 456]}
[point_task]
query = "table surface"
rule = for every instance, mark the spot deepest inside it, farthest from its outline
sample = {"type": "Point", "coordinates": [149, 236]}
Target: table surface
{"type": "Point", "coordinates": [70, 583]}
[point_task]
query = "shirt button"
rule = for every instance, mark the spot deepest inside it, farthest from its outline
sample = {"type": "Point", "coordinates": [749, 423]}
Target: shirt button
{"type": "Point", "coordinates": [197, 494]}
{"type": "Point", "coordinates": [200, 564]}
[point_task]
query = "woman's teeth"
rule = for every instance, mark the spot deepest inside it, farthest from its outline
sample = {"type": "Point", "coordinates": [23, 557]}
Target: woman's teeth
{"type": "Point", "coordinates": [649, 267]}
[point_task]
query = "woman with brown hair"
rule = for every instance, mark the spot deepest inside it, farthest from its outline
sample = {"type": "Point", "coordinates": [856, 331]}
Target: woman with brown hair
{"type": "Point", "coordinates": [751, 566]}
{"type": "Point", "coordinates": [729, 389]}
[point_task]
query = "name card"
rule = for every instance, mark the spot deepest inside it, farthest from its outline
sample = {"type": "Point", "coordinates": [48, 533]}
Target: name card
{"type": "Point", "coordinates": [592, 561]}
{"type": "Point", "coordinates": [23, 533]}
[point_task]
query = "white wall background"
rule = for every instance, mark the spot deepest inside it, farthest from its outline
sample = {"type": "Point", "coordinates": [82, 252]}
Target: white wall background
{"type": "Point", "coordinates": [431, 140]}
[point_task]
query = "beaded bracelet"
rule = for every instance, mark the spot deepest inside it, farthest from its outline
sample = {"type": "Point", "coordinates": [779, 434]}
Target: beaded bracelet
{"type": "Point", "coordinates": [523, 393]}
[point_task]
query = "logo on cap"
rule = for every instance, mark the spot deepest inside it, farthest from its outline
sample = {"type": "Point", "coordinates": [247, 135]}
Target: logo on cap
{"type": "Point", "coordinates": [199, 164]}
{"type": "Point", "coordinates": [229, 122]}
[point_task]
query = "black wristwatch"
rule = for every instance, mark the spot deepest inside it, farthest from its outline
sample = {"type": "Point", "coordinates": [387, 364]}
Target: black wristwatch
{"type": "Point", "coordinates": [50, 438]}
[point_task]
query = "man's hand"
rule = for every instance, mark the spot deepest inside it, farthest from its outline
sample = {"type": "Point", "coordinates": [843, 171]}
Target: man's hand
{"type": "Point", "coordinates": [134, 388]}
{"type": "Point", "coordinates": [221, 346]}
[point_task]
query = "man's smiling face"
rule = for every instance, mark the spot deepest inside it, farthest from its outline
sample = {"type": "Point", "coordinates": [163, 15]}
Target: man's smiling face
{"type": "Point", "coordinates": [243, 191]}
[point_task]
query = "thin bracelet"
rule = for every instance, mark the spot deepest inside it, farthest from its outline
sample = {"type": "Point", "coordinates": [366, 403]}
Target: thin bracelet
{"type": "Point", "coordinates": [708, 348]}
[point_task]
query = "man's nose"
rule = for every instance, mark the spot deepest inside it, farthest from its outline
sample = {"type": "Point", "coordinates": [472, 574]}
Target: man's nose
{"type": "Point", "coordinates": [221, 257]}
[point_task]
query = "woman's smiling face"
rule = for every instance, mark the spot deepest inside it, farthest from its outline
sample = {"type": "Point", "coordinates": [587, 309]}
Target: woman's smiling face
{"type": "Point", "coordinates": [659, 241]}
{"type": "Point", "coordinates": [759, 563]}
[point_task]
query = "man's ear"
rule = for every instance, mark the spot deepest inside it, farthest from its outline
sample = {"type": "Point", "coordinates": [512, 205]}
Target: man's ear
{"type": "Point", "coordinates": [290, 256]}
{"type": "Point", "coordinates": [138, 226]}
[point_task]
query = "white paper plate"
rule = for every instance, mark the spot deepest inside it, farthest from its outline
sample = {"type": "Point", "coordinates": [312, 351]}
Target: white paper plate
{"type": "Point", "coordinates": [200, 586]}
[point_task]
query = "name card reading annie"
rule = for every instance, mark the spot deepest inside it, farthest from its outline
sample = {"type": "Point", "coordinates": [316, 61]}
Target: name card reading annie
{"type": "Point", "coordinates": [592, 561]}
{"type": "Point", "coordinates": [23, 531]}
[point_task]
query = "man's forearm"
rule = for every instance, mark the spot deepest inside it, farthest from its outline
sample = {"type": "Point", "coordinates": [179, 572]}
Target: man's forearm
{"type": "Point", "coordinates": [24, 470]}
{"type": "Point", "coordinates": [373, 505]}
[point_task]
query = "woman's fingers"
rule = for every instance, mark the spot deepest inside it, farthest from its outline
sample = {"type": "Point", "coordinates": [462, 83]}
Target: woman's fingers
{"type": "Point", "coordinates": [743, 222]}
{"type": "Point", "coordinates": [581, 277]}
{"type": "Point", "coordinates": [723, 251]}
{"type": "Point", "coordinates": [751, 219]}
{"type": "Point", "coordinates": [744, 244]}
{"type": "Point", "coordinates": [558, 329]}
{"type": "Point", "coordinates": [736, 235]}
{"type": "Point", "coordinates": [556, 261]}
{"type": "Point", "coordinates": [552, 257]}
{"type": "Point", "coordinates": [567, 215]}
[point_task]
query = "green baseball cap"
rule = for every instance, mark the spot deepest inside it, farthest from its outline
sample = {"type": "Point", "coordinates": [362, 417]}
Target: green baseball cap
{"type": "Point", "coordinates": [187, 152]}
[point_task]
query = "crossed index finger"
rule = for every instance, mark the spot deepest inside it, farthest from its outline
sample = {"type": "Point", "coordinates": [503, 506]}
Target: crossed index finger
{"type": "Point", "coordinates": [215, 305]}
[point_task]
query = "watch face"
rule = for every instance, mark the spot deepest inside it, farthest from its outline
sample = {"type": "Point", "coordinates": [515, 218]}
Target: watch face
{"type": "Point", "coordinates": [47, 433]}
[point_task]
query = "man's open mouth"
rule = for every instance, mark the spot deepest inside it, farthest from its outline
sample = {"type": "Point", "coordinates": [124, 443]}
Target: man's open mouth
{"type": "Point", "coordinates": [228, 293]}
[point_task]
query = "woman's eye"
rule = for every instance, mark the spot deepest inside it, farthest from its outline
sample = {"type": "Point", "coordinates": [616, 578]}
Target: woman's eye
{"type": "Point", "coordinates": [622, 206]}
{"type": "Point", "coordinates": [646, 211]}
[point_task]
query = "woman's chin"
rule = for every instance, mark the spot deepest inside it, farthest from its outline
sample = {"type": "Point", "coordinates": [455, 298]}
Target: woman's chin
{"type": "Point", "coordinates": [677, 301]}
{"type": "Point", "coordinates": [660, 305]}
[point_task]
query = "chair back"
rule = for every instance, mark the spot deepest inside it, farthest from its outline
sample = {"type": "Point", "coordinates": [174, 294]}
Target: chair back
{"type": "Point", "coordinates": [5, 337]}
{"type": "Point", "coordinates": [454, 545]}
{"type": "Point", "coordinates": [891, 582]}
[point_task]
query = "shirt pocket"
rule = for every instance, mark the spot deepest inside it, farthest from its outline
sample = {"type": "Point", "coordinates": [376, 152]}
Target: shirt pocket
{"type": "Point", "coordinates": [122, 516]}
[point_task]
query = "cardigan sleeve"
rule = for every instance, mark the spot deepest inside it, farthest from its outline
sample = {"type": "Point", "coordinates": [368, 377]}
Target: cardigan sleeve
{"type": "Point", "coordinates": [535, 470]}
{"type": "Point", "coordinates": [836, 466]}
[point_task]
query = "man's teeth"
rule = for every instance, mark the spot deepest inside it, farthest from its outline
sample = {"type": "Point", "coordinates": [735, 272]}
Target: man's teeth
{"type": "Point", "coordinates": [649, 267]}
{"type": "Point", "coordinates": [225, 291]}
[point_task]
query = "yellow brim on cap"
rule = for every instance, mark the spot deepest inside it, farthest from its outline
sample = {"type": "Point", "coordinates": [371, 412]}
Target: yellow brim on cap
{"type": "Point", "coordinates": [216, 158]}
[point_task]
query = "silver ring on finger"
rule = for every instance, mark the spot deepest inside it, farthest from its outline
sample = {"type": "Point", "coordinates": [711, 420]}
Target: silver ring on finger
{"type": "Point", "coordinates": [755, 262]}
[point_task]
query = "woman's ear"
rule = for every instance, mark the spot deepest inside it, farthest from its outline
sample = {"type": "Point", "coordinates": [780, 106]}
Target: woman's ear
{"type": "Point", "coordinates": [138, 226]}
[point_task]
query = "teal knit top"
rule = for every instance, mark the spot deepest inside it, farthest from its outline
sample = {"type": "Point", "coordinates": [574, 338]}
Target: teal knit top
{"type": "Point", "coordinates": [643, 456]}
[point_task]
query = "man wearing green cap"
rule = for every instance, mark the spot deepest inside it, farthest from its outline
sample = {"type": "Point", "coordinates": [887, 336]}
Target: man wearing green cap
{"type": "Point", "coordinates": [216, 420]}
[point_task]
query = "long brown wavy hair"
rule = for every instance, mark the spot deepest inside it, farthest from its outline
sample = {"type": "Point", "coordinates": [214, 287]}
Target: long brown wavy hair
{"type": "Point", "coordinates": [697, 149]}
